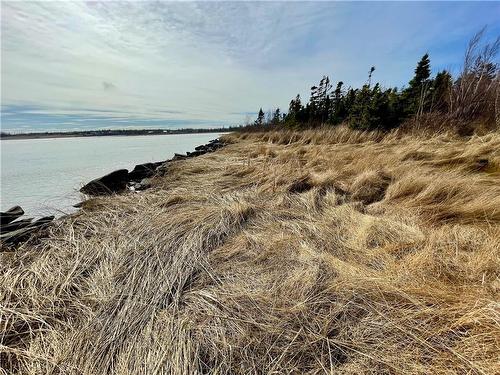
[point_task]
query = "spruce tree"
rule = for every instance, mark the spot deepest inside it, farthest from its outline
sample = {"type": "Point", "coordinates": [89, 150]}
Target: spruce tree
{"type": "Point", "coordinates": [276, 117]}
{"type": "Point", "coordinates": [422, 71]}
{"type": "Point", "coordinates": [260, 118]}
{"type": "Point", "coordinates": [416, 97]}
{"type": "Point", "coordinates": [319, 103]}
{"type": "Point", "coordinates": [441, 87]}
{"type": "Point", "coordinates": [337, 114]}
{"type": "Point", "coordinates": [295, 106]}
{"type": "Point", "coordinates": [370, 73]}
{"type": "Point", "coordinates": [359, 114]}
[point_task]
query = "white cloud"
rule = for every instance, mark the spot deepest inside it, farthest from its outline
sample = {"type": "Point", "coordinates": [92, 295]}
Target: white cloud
{"type": "Point", "coordinates": [205, 61]}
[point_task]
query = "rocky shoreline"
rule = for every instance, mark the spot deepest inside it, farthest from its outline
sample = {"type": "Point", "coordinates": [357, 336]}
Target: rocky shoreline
{"type": "Point", "coordinates": [139, 178]}
{"type": "Point", "coordinates": [14, 229]}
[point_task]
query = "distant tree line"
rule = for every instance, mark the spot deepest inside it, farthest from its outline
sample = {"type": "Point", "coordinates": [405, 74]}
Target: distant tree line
{"type": "Point", "coordinates": [473, 95]}
{"type": "Point", "coordinates": [114, 132]}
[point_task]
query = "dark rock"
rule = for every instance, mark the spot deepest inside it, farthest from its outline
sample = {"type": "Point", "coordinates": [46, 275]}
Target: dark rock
{"type": "Point", "coordinates": [158, 164]}
{"type": "Point", "coordinates": [211, 146]}
{"type": "Point", "coordinates": [42, 221]}
{"type": "Point", "coordinates": [113, 182]}
{"type": "Point", "coordinates": [11, 215]}
{"type": "Point", "coordinates": [216, 145]}
{"type": "Point", "coordinates": [195, 153]}
{"type": "Point", "coordinates": [15, 225]}
{"type": "Point", "coordinates": [179, 157]}
{"type": "Point", "coordinates": [145, 170]}
{"type": "Point", "coordinates": [21, 234]}
{"type": "Point", "coordinates": [142, 171]}
{"type": "Point", "coordinates": [17, 235]}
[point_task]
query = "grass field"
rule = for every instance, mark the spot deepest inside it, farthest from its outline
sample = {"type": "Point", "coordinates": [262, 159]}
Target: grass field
{"type": "Point", "coordinates": [319, 252]}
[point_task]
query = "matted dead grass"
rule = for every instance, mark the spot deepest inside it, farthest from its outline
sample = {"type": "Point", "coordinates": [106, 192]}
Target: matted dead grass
{"type": "Point", "coordinates": [326, 251]}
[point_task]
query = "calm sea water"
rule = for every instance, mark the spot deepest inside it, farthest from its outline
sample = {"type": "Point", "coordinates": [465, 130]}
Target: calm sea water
{"type": "Point", "coordinates": [44, 175]}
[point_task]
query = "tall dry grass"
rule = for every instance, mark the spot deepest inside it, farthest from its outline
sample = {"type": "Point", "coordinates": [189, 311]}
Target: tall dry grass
{"type": "Point", "coordinates": [326, 251]}
{"type": "Point", "coordinates": [476, 93]}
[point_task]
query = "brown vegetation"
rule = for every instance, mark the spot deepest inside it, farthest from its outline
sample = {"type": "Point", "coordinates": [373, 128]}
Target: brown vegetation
{"type": "Point", "coordinates": [324, 251]}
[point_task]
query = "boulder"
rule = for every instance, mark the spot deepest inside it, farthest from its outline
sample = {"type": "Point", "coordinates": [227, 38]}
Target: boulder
{"type": "Point", "coordinates": [42, 221]}
{"type": "Point", "coordinates": [158, 164]}
{"type": "Point", "coordinates": [195, 153]}
{"type": "Point", "coordinates": [21, 233]}
{"type": "Point", "coordinates": [11, 215]}
{"type": "Point", "coordinates": [17, 235]}
{"type": "Point", "coordinates": [15, 225]}
{"type": "Point", "coordinates": [179, 157]}
{"type": "Point", "coordinates": [145, 170]}
{"type": "Point", "coordinates": [141, 171]}
{"type": "Point", "coordinates": [113, 182]}
{"type": "Point", "coordinates": [215, 144]}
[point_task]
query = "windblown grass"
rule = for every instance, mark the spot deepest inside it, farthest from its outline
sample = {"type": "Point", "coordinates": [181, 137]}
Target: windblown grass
{"type": "Point", "coordinates": [326, 251]}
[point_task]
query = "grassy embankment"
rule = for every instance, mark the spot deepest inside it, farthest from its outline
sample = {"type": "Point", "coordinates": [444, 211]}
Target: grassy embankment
{"type": "Point", "coordinates": [326, 251]}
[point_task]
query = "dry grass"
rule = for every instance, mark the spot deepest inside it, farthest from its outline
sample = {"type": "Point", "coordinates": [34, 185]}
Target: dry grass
{"type": "Point", "coordinates": [306, 253]}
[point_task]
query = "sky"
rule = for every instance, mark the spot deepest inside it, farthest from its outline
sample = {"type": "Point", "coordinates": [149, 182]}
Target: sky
{"type": "Point", "coordinates": [94, 65]}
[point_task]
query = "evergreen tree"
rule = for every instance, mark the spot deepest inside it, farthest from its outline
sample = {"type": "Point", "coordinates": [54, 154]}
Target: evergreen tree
{"type": "Point", "coordinates": [260, 118]}
{"type": "Point", "coordinates": [276, 117]}
{"type": "Point", "coordinates": [337, 114]}
{"type": "Point", "coordinates": [319, 103]}
{"type": "Point", "coordinates": [370, 73]}
{"type": "Point", "coordinates": [359, 114]}
{"type": "Point", "coordinates": [293, 111]}
{"type": "Point", "coordinates": [422, 71]}
{"type": "Point", "coordinates": [395, 108]}
{"type": "Point", "coordinates": [373, 107]}
{"type": "Point", "coordinates": [416, 97]}
{"type": "Point", "coordinates": [441, 91]}
{"type": "Point", "coordinates": [314, 100]}
{"type": "Point", "coordinates": [295, 106]}
{"type": "Point", "coordinates": [349, 100]}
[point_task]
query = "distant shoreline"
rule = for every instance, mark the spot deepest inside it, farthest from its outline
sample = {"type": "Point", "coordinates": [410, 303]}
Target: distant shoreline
{"type": "Point", "coordinates": [107, 133]}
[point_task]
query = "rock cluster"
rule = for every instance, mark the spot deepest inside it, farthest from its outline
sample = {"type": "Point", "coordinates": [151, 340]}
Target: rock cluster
{"type": "Point", "coordinates": [139, 177]}
{"type": "Point", "coordinates": [107, 184]}
{"type": "Point", "coordinates": [13, 231]}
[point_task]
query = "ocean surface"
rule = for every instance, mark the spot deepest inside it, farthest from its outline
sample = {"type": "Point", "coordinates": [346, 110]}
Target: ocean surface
{"type": "Point", "coordinates": [43, 176]}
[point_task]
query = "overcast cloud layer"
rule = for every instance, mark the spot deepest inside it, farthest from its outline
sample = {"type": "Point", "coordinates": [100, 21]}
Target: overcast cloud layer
{"type": "Point", "coordinates": [70, 65]}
